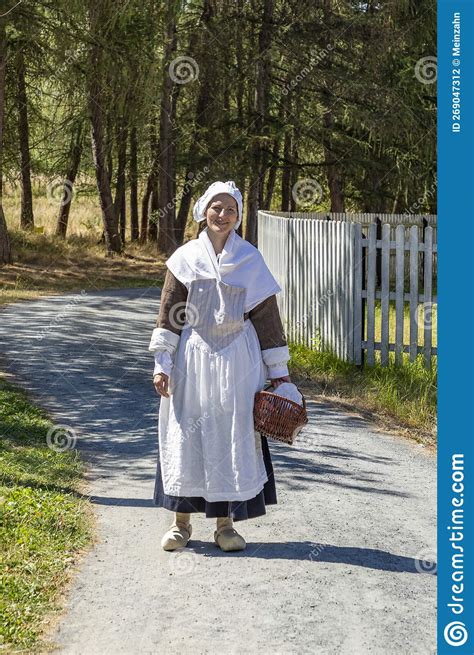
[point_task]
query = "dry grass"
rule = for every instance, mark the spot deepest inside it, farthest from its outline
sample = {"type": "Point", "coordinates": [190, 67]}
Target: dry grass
{"type": "Point", "coordinates": [44, 264]}
{"type": "Point", "coordinates": [85, 218]}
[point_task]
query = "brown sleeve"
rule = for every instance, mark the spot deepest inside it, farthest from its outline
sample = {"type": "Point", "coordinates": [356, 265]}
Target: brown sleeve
{"type": "Point", "coordinates": [173, 301]}
{"type": "Point", "coordinates": [267, 323]}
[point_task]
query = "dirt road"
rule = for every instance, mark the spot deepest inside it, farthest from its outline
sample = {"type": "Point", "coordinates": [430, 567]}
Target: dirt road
{"type": "Point", "coordinates": [343, 564]}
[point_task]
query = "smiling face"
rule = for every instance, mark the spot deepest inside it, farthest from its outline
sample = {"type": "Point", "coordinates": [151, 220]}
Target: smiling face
{"type": "Point", "coordinates": [222, 214]}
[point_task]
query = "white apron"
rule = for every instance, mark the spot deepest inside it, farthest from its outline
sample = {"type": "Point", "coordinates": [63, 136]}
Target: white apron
{"type": "Point", "coordinates": [208, 444]}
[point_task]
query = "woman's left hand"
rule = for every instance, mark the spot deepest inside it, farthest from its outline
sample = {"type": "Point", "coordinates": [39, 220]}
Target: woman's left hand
{"type": "Point", "coordinates": [277, 381]}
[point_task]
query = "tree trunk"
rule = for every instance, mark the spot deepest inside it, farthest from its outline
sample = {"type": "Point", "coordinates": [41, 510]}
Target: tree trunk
{"type": "Point", "coordinates": [155, 213]}
{"type": "Point", "coordinates": [259, 157]}
{"type": "Point", "coordinates": [334, 177]}
{"type": "Point", "coordinates": [287, 155]}
{"type": "Point", "coordinates": [184, 205]}
{"type": "Point", "coordinates": [145, 209]}
{"type": "Point", "coordinates": [133, 176]}
{"type": "Point", "coordinates": [201, 121]}
{"type": "Point", "coordinates": [66, 200]}
{"type": "Point", "coordinates": [5, 249]}
{"type": "Point", "coordinates": [295, 140]}
{"type": "Point", "coordinates": [171, 178]}
{"type": "Point", "coordinates": [120, 197]}
{"type": "Point", "coordinates": [272, 174]}
{"type": "Point", "coordinates": [267, 202]}
{"type": "Point", "coordinates": [111, 232]}
{"type": "Point", "coordinates": [166, 239]}
{"type": "Point", "coordinates": [293, 179]}
{"type": "Point", "coordinates": [26, 215]}
{"type": "Point", "coordinates": [98, 122]}
{"type": "Point", "coordinates": [154, 205]}
{"type": "Point", "coordinates": [333, 172]}
{"type": "Point", "coordinates": [108, 148]}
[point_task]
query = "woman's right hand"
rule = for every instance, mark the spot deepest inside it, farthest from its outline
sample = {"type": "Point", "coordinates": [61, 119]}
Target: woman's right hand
{"type": "Point", "coordinates": [160, 382]}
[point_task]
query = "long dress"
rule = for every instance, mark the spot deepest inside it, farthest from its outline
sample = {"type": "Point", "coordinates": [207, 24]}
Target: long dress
{"type": "Point", "coordinates": [210, 458]}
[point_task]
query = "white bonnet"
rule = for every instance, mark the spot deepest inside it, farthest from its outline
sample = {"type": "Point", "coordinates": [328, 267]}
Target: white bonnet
{"type": "Point", "coordinates": [214, 189]}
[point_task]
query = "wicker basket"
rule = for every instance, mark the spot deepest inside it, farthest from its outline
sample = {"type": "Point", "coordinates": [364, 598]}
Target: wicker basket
{"type": "Point", "coordinates": [277, 417]}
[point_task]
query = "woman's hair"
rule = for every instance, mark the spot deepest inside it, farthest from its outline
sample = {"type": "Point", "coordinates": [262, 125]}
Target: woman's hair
{"type": "Point", "coordinates": [201, 226]}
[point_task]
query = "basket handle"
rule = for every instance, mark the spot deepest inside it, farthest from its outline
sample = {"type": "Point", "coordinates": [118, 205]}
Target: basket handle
{"type": "Point", "coordinates": [302, 395]}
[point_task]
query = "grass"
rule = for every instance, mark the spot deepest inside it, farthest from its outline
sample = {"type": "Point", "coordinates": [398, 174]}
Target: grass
{"type": "Point", "coordinates": [44, 521]}
{"type": "Point", "coordinates": [402, 396]}
{"type": "Point", "coordinates": [44, 264]}
{"type": "Point", "coordinates": [406, 322]}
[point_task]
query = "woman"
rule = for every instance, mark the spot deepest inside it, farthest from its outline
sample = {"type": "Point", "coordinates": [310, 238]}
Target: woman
{"type": "Point", "coordinates": [217, 339]}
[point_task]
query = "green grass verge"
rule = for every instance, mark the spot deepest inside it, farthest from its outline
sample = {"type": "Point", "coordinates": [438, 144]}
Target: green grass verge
{"type": "Point", "coordinates": [433, 318]}
{"type": "Point", "coordinates": [405, 393]}
{"type": "Point", "coordinates": [44, 521]}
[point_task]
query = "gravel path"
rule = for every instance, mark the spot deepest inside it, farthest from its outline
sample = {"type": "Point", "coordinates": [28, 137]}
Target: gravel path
{"type": "Point", "coordinates": [338, 566]}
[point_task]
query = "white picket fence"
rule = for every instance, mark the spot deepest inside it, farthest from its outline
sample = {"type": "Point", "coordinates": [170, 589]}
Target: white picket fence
{"type": "Point", "coordinates": [339, 279]}
{"type": "Point", "coordinates": [422, 221]}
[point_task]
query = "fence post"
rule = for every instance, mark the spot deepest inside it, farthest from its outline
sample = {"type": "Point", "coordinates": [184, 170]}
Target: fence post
{"type": "Point", "coordinates": [378, 266]}
{"type": "Point", "coordinates": [399, 292]}
{"type": "Point", "coordinates": [428, 291]}
{"type": "Point", "coordinates": [413, 292]}
{"type": "Point", "coordinates": [358, 303]}
{"type": "Point", "coordinates": [371, 284]}
{"type": "Point", "coordinates": [385, 297]}
{"type": "Point", "coordinates": [423, 256]}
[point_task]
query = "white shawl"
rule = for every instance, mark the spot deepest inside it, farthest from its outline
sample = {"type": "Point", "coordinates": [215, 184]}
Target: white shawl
{"type": "Point", "coordinates": [240, 264]}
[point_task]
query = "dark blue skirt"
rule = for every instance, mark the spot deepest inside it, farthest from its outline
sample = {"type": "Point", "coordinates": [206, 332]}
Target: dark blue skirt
{"type": "Point", "coordinates": [239, 510]}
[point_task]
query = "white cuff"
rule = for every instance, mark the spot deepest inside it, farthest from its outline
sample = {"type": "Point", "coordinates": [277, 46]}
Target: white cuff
{"type": "Point", "coordinates": [163, 339]}
{"type": "Point", "coordinates": [277, 371]}
{"type": "Point", "coordinates": [278, 355]}
{"type": "Point", "coordinates": [275, 360]}
{"type": "Point", "coordinates": [163, 362]}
